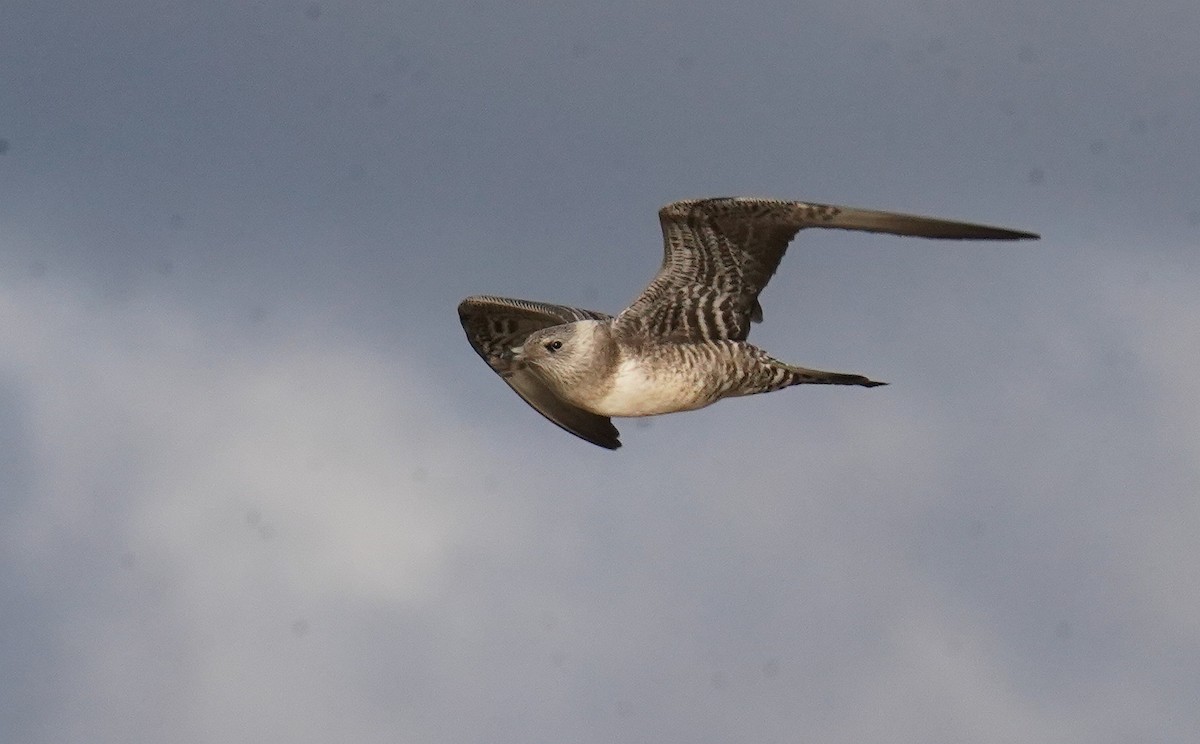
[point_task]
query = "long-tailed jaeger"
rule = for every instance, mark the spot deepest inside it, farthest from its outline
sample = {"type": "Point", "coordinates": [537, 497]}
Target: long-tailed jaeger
{"type": "Point", "coordinates": [681, 345]}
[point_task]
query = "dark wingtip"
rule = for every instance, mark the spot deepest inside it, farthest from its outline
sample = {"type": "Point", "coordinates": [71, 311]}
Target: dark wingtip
{"type": "Point", "coordinates": [1022, 235]}
{"type": "Point", "coordinates": [873, 383]}
{"type": "Point", "coordinates": [986, 232]}
{"type": "Point", "coordinates": [600, 441]}
{"type": "Point", "coordinates": [611, 442]}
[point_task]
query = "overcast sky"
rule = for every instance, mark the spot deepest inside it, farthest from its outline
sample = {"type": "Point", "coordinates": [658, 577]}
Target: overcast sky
{"type": "Point", "coordinates": [255, 485]}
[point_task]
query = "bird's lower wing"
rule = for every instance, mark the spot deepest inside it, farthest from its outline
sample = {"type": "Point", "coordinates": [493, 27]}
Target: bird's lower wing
{"type": "Point", "coordinates": [586, 425]}
{"type": "Point", "coordinates": [494, 325]}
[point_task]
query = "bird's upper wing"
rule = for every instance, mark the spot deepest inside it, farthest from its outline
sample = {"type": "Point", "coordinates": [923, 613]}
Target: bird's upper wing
{"type": "Point", "coordinates": [495, 325]}
{"type": "Point", "coordinates": [719, 254]}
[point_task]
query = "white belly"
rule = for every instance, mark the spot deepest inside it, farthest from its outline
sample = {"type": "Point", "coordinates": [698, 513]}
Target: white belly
{"type": "Point", "coordinates": [638, 391]}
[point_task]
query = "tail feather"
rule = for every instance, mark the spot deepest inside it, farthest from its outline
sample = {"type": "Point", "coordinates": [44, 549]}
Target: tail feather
{"type": "Point", "coordinates": [803, 376]}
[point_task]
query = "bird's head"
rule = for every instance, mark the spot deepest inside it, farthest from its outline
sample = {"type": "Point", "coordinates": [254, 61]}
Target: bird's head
{"type": "Point", "coordinates": [562, 352]}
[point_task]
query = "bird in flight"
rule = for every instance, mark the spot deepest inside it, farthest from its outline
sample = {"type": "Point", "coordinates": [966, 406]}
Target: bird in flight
{"type": "Point", "coordinates": [682, 344]}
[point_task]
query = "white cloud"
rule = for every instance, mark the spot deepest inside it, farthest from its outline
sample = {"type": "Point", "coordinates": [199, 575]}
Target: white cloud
{"type": "Point", "coordinates": [242, 535]}
{"type": "Point", "coordinates": [233, 488]}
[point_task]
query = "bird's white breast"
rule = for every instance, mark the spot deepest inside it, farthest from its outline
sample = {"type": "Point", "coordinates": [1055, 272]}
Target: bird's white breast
{"type": "Point", "coordinates": [638, 389]}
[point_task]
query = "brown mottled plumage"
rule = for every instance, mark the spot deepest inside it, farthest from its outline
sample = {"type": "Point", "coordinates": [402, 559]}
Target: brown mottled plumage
{"type": "Point", "coordinates": [681, 345]}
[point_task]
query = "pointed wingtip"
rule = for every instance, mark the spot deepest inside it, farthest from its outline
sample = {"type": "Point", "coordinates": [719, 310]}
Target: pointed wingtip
{"type": "Point", "coordinates": [900, 223]}
{"type": "Point", "coordinates": [606, 440]}
{"type": "Point", "coordinates": [612, 440]}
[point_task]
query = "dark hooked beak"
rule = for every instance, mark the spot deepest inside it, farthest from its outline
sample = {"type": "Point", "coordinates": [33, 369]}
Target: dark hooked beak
{"type": "Point", "coordinates": [509, 362]}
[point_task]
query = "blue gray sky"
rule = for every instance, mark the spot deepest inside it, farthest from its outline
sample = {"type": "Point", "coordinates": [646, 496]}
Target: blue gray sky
{"type": "Point", "coordinates": [255, 485]}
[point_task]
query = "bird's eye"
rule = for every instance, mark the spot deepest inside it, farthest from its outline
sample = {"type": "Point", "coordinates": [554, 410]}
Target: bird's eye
{"type": "Point", "coordinates": [553, 346]}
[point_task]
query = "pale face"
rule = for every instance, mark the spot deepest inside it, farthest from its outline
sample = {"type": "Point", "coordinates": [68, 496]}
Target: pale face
{"type": "Point", "coordinates": [548, 345]}
{"type": "Point", "coordinates": [560, 352]}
